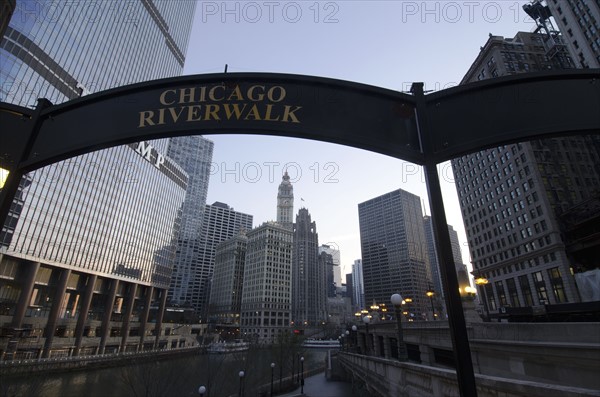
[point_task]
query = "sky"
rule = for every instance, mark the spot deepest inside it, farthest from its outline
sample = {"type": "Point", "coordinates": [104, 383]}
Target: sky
{"type": "Point", "coordinates": [389, 44]}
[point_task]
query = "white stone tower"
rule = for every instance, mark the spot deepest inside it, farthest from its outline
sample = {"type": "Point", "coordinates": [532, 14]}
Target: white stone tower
{"type": "Point", "coordinates": [285, 202]}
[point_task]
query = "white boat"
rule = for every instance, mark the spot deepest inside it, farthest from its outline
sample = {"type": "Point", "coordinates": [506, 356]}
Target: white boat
{"type": "Point", "coordinates": [321, 344]}
{"type": "Point", "coordinates": [228, 347]}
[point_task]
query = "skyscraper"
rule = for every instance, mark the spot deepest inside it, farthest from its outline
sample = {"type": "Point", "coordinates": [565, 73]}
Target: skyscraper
{"type": "Point", "coordinates": [192, 285]}
{"type": "Point", "coordinates": [394, 255]}
{"type": "Point", "coordinates": [336, 258]}
{"type": "Point", "coordinates": [227, 281]}
{"type": "Point", "coordinates": [459, 266]}
{"type": "Point", "coordinates": [358, 284]}
{"type": "Point", "coordinates": [285, 202]}
{"type": "Point", "coordinates": [90, 246]}
{"type": "Point", "coordinates": [309, 299]}
{"type": "Point", "coordinates": [194, 154]}
{"type": "Point", "coordinates": [266, 296]}
{"type": "Point", "coordinates": [513, 197]}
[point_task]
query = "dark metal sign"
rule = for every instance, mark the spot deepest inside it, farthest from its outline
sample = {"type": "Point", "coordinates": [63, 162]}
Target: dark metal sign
{"type": "Point", "coordinates": [321, 109]}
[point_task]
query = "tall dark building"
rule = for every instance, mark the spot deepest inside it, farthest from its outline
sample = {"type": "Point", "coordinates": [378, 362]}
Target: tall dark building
{"type": "Point", "coordinates": [191, 286]}
{"type": "Point", "coordinates": [309, 300]}
{"type": "Point", "coordinates": [89, 245]}
{"type": "Point", "coordinates": [394, 252]}
{"type": "Point", "coordinates": [515, 198]}
{"type": "Point", "coordinates": [227, 282]}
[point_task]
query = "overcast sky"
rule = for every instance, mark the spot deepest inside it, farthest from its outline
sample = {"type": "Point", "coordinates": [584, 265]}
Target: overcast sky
{"type": "Point", "coordinates": [388, 44]}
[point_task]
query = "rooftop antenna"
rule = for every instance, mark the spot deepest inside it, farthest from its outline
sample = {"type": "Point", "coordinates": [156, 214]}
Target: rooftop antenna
{"type": "Point", "coordinates": [225, 68]}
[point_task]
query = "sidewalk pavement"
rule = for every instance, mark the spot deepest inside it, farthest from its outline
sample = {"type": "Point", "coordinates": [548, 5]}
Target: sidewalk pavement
{"type": "Point", "coordinates": [319, 386]}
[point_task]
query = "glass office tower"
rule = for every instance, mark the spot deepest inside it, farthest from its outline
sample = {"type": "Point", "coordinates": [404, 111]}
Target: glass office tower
{"type": "Point", "coordinates": [88, 247]}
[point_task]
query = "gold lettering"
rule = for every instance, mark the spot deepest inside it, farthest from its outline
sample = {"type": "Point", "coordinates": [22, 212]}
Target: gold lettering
{"type": "Point", "coordinates": [211, 93]}
{"type": "Point", "coordinates": [174, 115]}
{"type": "Point", "coordinates": [234, 108]}
{"type": "Point", "coordinates": [146, 118]}
{"type": "Point", "coordinates": [260, 96]}
{"type": "Point", "coordinates": [236, 93]}
{"type": "Point", "coordinates": [271, 96]}
{"type": "Point", "coordinates": [254, 113]}
{"type": "Point", "coordinates": [163, 98]}
{"type": "Point", "coordinates": [186, 95]}
{"type": "Point", "coordinates": [211, 111]}
{"type": "Point", "coordinates": [161, 116]}
{"type": "Point", "coordinates": [287, 113]}
{"type": "Point", "coordinates": [202, 94]}
{"type": "Point", "coordinates": [193, 113]}
{"type": "Point", "coordinates": [268, 113]}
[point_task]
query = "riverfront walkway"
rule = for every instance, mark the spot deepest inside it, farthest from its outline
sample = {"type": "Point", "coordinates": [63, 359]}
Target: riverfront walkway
{"type": "Point", "coordinates": [319, 386]}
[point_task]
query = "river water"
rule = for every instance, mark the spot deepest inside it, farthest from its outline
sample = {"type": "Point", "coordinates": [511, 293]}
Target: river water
{"type": "Point", "coordinates": [177, 377]}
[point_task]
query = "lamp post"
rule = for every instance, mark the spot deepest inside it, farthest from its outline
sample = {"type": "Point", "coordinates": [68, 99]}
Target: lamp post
{"type": "Point", "coordinates": [241, 375]}
{"type": "Point", "coordinates": [430, 292]}
{"type": "Point", "coordinates": [272, 369]}
{"type": "Point", "coordinates": [202, 390]}
{"type": "Point", "coordinates": [481, 282]}
{"type": "Point", "coordinates": [347, 340]}
{"type": "Point", "coordinates": [367, 320]}
{"type": "Point", "coordinates": [397, 302]}
{"type": "Point", "coordinates": [302, 379]}
{"type": "Point", "coordinates": [354, 332]}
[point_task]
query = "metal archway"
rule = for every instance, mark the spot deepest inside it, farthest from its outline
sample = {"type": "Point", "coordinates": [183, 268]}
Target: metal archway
{"type": "Point", "coordinates": [423, 129]}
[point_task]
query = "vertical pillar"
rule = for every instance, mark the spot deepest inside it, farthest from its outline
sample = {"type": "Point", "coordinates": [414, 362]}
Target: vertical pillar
{"type": "Point", "coordinates": [387, 347]}
{"type": "Point", "coordinates": [83, 313]}
{"type": "Point", "coordinates": [159, 316]}
{"type": "Point", "coordinates": [144, 316]}
{"type": "Point", "coordinates": [376, 346]}
{"type": "Point", "coordinates": [108, 308]}
{"type": "Point", "coordinates": [127, 316]}
{"type": "Point", "coordinates": [59, 294]}
{"type": "Point", "coordinates": [456, 318]}
{"type": "Point", "coordinates": [27, 284]}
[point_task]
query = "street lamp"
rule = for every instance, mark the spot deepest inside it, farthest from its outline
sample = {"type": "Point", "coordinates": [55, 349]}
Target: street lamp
{"type": "Point", "coordinates": [202, 390]}
{"type": "Point", "coordinates": [397, 302]}
{"type": "Point", "coordinates": [367, 320]}
{"type": "Point", "coordinates": [272, 369]}
{"type": "Point", "coordinates": [241, 375]}
{"type": "Point", "coordinates": [302, 379]}
{"type": "Point", "coordinates": [430, 292]}
{"type": "Point", "coordinates": [482, 282]}
{"type": "Point", "coordinates": [354, 333]}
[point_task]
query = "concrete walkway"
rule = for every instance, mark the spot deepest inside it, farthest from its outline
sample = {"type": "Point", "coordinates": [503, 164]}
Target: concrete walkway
{"type": "Point", "coordinates": [319, 386]}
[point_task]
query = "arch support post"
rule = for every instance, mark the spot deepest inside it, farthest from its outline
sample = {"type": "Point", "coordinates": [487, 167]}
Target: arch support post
{"type": "Point", "coordinates": [456, 318]}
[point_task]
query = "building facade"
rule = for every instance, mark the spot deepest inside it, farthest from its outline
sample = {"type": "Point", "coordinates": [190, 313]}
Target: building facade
{"type": "Point", "coordinates": [88, 247]}
{"type": "Point", "coordinates": [358, 284]}
{"type": "Point", "coordinates": [309, 298]}
{"type": "Point", "coordinates": [227, 281]}
{"type": "Point", "coordinates": [512, 197]}
{"type": "Point", "coordinates": [267, 291]}
{"type": "Point", "coordinates": [336, 269]}
{"type": "Point", "coordinates": [579, 22]}
{"type": "Point", "coordinates": [394, 251]}
{"type": "Point", "coordinates": [220, 222]}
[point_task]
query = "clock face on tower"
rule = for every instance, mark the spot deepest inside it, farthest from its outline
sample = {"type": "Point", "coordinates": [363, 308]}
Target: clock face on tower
{"type": "Point", "coordinates": [286, 202]}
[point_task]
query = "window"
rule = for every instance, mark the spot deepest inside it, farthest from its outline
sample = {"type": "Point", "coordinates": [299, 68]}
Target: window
{"type": "Point", "coordinates": [558, 288]}
{"type": "Point", "coordinates": [512, 292]}
{"type": "Point", "coordinates": [526, 290]}
{"type": "Point", "coordinates": [540, 287]}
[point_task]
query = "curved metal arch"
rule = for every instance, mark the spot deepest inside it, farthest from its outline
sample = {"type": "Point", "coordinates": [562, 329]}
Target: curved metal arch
{"type": "Point", "coordinates": [512, 109]}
